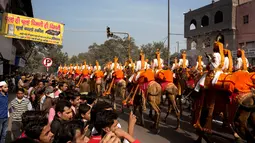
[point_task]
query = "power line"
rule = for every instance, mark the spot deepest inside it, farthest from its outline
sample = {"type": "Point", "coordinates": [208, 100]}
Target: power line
{"type": "Point", "coordinates": [103, 31]}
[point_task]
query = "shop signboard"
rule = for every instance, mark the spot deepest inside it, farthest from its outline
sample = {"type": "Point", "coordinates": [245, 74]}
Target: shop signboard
{"type": "Point", "coordinates": [27, 28]}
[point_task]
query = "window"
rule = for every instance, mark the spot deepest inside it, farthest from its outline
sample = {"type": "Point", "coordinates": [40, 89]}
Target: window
{"type": "Point", "coordinates": [193, 24]}
{"type": "Point", "coordinates": [246, 19]}
{"type": "Point", "coordinates": [218, 18]}
{"type": "Point", "coordinates": [205, 21]}
{"type": "Point", "coordinates": [193, 45]}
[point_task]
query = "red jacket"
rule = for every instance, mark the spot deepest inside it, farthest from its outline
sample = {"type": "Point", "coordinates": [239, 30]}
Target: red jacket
{"type": "Point", "coordinates": [97, 139]}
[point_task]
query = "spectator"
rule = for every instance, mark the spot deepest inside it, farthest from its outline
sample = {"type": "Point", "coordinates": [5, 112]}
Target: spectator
{"type": "Point", "coordinates": [84, 87]}
{"type": "Point", "coordinates": [21, 82]}
{"type": "Point", "coordinates": [84, 113]}
{"type": "Point", "coordinates": [72, 131]}
{"type": "Point", "coordinates": [19, 105]}
{"type": "Point", "coordinates": [40, 97]}
{"type": "Point", "coordinates": [49, 95]}
{"type": "Point", "coordinates": [52, 110]}
{"type": "Point", "coordinates": [63, 113]}
{"type": "Point", "coordinates": [74, 98]}
{"type": "Point", "coordinates": [106, 122]}
{"type": "Point", "coordinates": [3, 110]}
{"type": "Point", "coordinates": [36, 126]}
{"type": "Point", "coordinates": [40, 84]}
{"type": "Point", "coordinates": [24, 140]}
{"type": "Point", "coordinates": [91, 99]}
{"type": "Point", "coordinates": [62, 87]}
{"type": "Point", "coordinates": [83, 99]}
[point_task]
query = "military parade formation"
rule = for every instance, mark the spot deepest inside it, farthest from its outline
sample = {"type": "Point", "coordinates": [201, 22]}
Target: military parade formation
{"type": "Point", "coordinates": [223, 86]}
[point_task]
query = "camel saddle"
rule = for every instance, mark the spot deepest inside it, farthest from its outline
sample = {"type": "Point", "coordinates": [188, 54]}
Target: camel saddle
{"type": "Point", "coordinates": [146, 76]}
{"type": "Point", "coordinates": [99, 74]}
{"type": "Point", "coordinates": [238, 81]}
{"type": "Point", "coordinates": [165, 76]}
{"type": "Point", "coordinates": [225, 82]}
{"type": "Point", "coordinates": [118, 74]}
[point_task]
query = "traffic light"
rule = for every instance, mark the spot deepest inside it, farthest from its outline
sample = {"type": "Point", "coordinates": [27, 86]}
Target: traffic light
{"type": "Point", "coordinates": [108, 32]}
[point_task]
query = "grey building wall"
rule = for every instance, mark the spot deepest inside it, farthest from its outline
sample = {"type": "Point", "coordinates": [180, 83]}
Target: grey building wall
{"type": "Point", "coordinates": [204, 36]}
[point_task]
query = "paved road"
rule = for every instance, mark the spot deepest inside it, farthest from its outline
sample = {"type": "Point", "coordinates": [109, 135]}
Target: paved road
{"type": "Point", "coordinates": [167, 133]}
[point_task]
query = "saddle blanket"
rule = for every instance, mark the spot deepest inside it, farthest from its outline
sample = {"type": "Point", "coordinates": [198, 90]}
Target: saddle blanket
{"type": "Point", "coordinates": [164, 85]}
{"type": "Point", "coordinates": [144, 86]}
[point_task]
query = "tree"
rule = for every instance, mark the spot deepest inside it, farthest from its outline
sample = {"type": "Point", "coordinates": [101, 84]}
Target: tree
{"type": "Point", "coordinates": [151, 48]}
{"type": "Point", "coordinates": [106, 52]}
{"type": "Point", "coordinates": [40, 51]}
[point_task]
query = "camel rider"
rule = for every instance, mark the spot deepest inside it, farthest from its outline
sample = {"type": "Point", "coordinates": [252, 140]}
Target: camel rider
{"type": "Point", "coordinates": [90, 68]}
{"type": "Point", "coordinates": [200, 64]}
{"type": "Point", "coordinates": [215, 65]}
{"type": "Point", "coordinates": [116, 73]}
{"type": "Point", "coordinates": [65, 69]}
{"type": "Point", "coordinates": [107, 68]}
{"type": "Point", "coordinates": [60, 70]}
{"type": "Point", "coordinates": [141, 65]}
{"type": "Point", "coordinates": [115, 66]}
{"type": "Point", "coordinates": [96, 68]}
{"type": "Point", "coordinates": [175, 64]}
{"type": "Point", "coordinates": [183, 62]}
{"type": "Point", "coordinates": [158, 63]}
{"type": "Point", "coordinates": [230, 59]}
{"type": "Point", "coordinates": [131, 65]}
{"type": "Point", "coordinates": [242, 62]}
{"type": "Point", "coordinates": [226, 61]}
{"type": "Point", "coordinates": [85, 66]}
{"type": "Point", "coordinates": [77, 70]}
{"type": "Point", "coordinates": [71, 69]}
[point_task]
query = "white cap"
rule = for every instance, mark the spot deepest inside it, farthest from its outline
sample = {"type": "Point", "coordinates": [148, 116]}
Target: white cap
{"type": "Point", "coordinates": [2, 83]}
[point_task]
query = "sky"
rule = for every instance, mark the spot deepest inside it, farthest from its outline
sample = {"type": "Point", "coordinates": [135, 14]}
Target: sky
{"type": "Point", "coordinates": [145, 20]}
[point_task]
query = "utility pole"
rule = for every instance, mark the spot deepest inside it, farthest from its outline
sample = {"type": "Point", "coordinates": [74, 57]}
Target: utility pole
{"type": "Point", "coordinates": [111, 34]}
{"type": "Point", "coordinates": [178, 48]}
{"type": "Point", "coordinates": [168, 35]}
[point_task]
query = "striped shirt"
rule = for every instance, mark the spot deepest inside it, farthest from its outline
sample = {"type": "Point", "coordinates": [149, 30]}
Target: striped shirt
{"type": "Point", "coordinates": [19, 107]}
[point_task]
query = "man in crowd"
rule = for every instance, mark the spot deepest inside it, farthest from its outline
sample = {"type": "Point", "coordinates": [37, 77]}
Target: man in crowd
{"type": "Point", "coordinates": [63, 113]}
{"type": "Point", "coordinates": [3, 110]}
{"type": "Point", "coordinates": [19, 105]}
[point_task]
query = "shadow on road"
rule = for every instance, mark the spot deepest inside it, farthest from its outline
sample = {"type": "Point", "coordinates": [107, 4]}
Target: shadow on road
{"type": "Point", "coordinates": [167, 130]}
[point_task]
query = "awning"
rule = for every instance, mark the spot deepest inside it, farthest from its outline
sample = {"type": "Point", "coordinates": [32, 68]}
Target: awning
{"type": "Point", "coordinates": [3, 4]}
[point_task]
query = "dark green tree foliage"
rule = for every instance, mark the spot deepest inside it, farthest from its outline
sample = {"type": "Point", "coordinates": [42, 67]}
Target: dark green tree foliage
{"type": "Point", "coordinates": [41, 50]}
{"type": "Point", "coordinates": [102, 52]}
{"type": "Point", "coordinates": [118, 47]}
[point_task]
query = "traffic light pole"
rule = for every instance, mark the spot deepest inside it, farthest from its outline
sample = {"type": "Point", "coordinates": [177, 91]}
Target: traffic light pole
{"type": "Point", "coordinates": [129, 44]}
{"type": "Point", "coordinates": [168, 36]}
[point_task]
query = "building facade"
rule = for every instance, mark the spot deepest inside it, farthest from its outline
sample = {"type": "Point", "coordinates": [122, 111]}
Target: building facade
{"type": "Point", "coordinates": [204, 25]}
{"type": "Point", "coordinates": [245, 29]}
{"type": "Point", "coordinates": [11, 49]}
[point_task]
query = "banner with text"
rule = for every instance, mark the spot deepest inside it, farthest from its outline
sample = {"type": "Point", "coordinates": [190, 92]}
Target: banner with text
{"type": "Point", "coordinates": [22, 27]}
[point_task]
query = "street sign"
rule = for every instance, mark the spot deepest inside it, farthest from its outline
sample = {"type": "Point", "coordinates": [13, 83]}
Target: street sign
{"type": "Point", "coordinates": [47, 62]}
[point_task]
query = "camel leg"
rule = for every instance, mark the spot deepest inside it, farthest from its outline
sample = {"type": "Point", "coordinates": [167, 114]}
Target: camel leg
{"type": "Point", "coordinates": [198, 110]}
{"type": "Point", "coordinates": [114, 99]}
{"type": "Point", "coordinates": [241, 122]}
{"type": "Point", "coordinates": [141, 115]}
{"type": "Point", "coordinates": [123, 93]}
{"type": "Point", "coordinates": [152, 102]}
{"type": "Point", "coordinates": [98, 86]}
{"type": "Point", "coordinates": [150, 113]}
{"type": "Point", "coordinates": [143, 101]}
{"type": "Point", "coordinates": [170, 107]}
{"type": "Point", "coordinates": [211, 104]}
{"type": "Point", "coordinates": [177, 112]}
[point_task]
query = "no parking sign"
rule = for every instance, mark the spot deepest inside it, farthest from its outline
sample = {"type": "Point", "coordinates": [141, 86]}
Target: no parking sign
{"type": "Point", "coordinates": [47, 62]}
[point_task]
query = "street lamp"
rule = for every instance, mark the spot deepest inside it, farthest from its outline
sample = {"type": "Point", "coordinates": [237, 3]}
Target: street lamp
{"type": "Point", "coordinates": [168, 37]}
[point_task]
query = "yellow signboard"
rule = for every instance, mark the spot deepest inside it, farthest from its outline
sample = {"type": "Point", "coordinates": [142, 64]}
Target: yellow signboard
{"type": "Point", "coordinates": [22, 27]}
